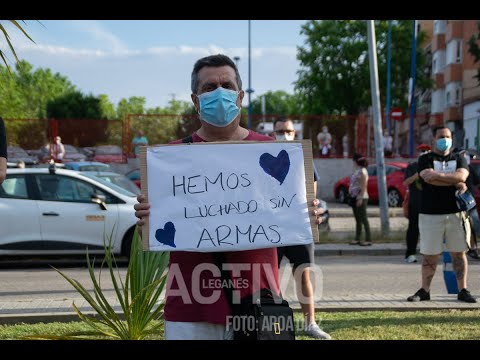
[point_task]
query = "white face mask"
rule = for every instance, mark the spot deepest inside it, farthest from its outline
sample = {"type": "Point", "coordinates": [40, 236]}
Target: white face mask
{"type": "Point", "coordinates": [284, 137]}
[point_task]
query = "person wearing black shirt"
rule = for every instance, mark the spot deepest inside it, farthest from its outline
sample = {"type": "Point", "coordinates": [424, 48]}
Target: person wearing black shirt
{"type": "Point", "coordinates": [441, 172]}
{"type": "Point", "coordinates": [414, 188]}
{"type": "Point", "coordinates": [3, 151]}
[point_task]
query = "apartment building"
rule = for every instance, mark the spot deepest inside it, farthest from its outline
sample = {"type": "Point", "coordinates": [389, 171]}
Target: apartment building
{"type": "Point", "coordinates": [455, 96]}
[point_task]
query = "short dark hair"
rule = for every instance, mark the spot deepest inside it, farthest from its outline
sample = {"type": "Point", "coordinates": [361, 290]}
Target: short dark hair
{"type": "Point", "coordinates": [281, 119]}
{"type": "Point", "coordinates": [213, 61]}
{"type": "Point", "coordinates": [357, 156]}
{"type": "Point", "coordinates": [439, 127]}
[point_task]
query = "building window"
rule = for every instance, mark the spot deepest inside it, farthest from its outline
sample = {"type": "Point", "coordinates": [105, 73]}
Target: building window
{"type": "Point", "coordinates": [457, 96]}
{"type": "Point", "coordinates": [459, 52]}
{"type": "Point", "coordinates": [448, 98]}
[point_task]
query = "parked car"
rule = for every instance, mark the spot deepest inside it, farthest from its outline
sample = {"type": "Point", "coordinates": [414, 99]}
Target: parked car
{"type": "Point", "coordinates": [16, 153]}
{"type": "Point", "coordinates": [134, 175]}
{"type": "Point", "coordinates": [117, 179]}
{"type": "Point", "coordinates": [109, 154]}
{"type": "Point", "coordinates": [395, 188]}
{"type": "Point", "coordinates": [87, 166]}
{"type": "Point", "coordinates": [45, 212]}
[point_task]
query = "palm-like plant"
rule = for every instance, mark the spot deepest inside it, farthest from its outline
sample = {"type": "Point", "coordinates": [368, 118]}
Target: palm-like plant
{"type": "Point", "coordinates": [138, 296]}
{"type": "Point", "coordinates": [7, 38]}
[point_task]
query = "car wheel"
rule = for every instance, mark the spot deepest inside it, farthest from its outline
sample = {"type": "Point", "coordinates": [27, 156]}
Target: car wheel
{"type": "Point", "coordinates": [342, 195]}
{"type": "Point", "coordinates": [127, 243]}
{"type": "Point", "coordinates": [394, 198]}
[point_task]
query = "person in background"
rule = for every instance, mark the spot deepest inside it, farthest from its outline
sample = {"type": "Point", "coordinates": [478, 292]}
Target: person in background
{"type": "Point", "coordinates": [324, 139]}
{"type": "Point", "coordinates": [300, 255]}
{"type": "Point", "coordinates": [472, 182]}
{"type": "Point", "coordinates": [387, 144]}
{"type": "Point", "coordinates": [359, 199]}
{"type": "Point", "coordinates": [414, 185]}
{"type": "Point", "coordinates": [3, 151]}
{"type": "Point", "coordinates": [57, 151]}
{"type": "Point", "coordinates": [137, 141]}
{"type": "Point", "coordinates": [442, 173]}
{"type": "Point", "coordinates": [20, 164]}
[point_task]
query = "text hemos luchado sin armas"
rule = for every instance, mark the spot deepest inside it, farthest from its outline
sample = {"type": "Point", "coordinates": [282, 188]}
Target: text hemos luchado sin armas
{"type": "Point", "coordinates": [227, 197]}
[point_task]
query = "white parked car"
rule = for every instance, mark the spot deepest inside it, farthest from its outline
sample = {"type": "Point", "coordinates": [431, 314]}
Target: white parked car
{"type": "Point", "coordinates": [45, 212]}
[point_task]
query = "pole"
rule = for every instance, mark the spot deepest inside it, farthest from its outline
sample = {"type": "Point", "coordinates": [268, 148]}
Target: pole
{"type": "Point", "coordinates": [411, 94]}
{"type": "Point", "coordinates": [389, 55]}
{"type": "Point", "coordinates": [377, 124]}
{"type": "Point", "coordinates": [249, 90]}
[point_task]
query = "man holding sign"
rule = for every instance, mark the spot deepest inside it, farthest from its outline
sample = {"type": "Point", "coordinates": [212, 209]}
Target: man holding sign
{"type": "Point", "coordinates": [217, 95]}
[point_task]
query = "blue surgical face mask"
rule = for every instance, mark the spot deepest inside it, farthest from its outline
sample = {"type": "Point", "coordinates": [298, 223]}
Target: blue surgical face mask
{"type": "Point", "coordinates": [444, 144]}
{"type": "Point", "coordinates": [219, 107]}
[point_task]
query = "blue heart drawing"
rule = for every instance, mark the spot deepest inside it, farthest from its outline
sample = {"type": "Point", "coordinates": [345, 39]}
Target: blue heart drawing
{"type": "Point", "coordinates": [276, 167]}
{"type": "Point", "coordinates": [166, 235]}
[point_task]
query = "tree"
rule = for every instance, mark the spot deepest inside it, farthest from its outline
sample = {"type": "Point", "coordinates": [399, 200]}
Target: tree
{"type": "Point", "coordinates": [334, 75]}
{"type": "Point", "coordinates": [9, 43]}
{"type": "Point", "coordinates": [107, 108]}
{"type": "Point", "coordinates": [134, 105]}
{"type": "Point", "coordinates": [474, 49]}
{"type": "Point", "coordinates": [26, 92]}
{"type": "Point", "coordinates": [74, 105]}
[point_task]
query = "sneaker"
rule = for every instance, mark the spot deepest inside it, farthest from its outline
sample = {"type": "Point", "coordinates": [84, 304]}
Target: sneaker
{"type": "Point", "coordinates": [411, 259]}
{"type": "Point", "coordinates": [365, 243]}
{"type": "Point", "coordinates": [420, 295]}
{"type": "Point", "coordinates": [314, 331]}
{"type": "Point", "coordinates": [355, 242]}
{"type": "Point", "coordinates": [464, 295]}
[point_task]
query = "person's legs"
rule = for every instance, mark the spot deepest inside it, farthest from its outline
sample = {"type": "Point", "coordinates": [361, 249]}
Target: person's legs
{"type": "Point", "coordinates": [412, 233]}
{"type": "Point", "coordinates": [302, 258]}
{"type": "Point", "coordinates": [364, 221]}
{"type": "Point", "coordinates": [358, 223]}
{"type": "Point", "coordinates": [432, 232]}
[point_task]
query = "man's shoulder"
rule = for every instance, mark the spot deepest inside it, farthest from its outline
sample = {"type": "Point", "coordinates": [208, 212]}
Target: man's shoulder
{"type": "Point", "coordinates": [254, 136]}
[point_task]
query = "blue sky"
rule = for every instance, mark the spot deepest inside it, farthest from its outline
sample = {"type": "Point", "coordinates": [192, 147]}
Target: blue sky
{"type": "Point", "coordinates": [154, 58]}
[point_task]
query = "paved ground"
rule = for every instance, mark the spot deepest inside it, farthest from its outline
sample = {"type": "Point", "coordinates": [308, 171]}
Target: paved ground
{"type": "Point", "coordinates": [360, 282]}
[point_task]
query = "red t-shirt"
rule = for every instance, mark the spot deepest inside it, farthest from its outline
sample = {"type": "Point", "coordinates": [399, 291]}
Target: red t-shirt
{"type": "Point", "coordinates": [183, 306]}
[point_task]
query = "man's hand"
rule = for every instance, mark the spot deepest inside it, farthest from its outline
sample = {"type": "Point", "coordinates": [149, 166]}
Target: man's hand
{"type": "Point", "coordinates": [429, 175]}
{"type": "Point", "coordinates": [142, 209]}
{"type": "Point", "coordinates": [461, 187]}
{"type": "Point", "coordinates": [318, 211]}
{"type": "Point", "coordinates": [359, 202]}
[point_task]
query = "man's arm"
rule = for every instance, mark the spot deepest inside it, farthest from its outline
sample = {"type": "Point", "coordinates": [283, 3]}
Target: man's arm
{"type": "Point", "coordinates": [409, 178]}
{"type": "Point", "coordinates": [433, 177]}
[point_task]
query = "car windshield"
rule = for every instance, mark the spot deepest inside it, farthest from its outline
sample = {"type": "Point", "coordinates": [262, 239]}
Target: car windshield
{"type": "Point", "coordinates": [110, 185]}
{"type": "Point", "coordinates": [70, 149]}
{"type": "Point", "coordinates": [122, 182]}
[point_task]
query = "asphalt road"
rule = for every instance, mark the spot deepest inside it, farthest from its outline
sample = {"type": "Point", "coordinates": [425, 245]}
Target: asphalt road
{"type": "Point", "coordinates": [342, 276]}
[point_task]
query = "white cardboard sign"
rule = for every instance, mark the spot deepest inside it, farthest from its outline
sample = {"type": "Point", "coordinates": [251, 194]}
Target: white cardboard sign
{"type": "Point", "coordinates": [210, 197]}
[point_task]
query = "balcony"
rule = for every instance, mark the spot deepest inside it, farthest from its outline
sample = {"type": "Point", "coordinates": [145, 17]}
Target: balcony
{"type": "Point", "coordinates": [452, 114]}
{"type": "Point", "coordinates": [438, 42]}
{"type": "Point", "coordinates": [438, 79]}
{"type": "Point", "coordinates": [454, 29]}
{"type": "Point", "coordinates": [453, 73]}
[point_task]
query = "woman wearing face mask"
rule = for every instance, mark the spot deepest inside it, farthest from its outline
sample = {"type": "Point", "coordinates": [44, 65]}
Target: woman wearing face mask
{"type": "Point", "coordinates": [359, 199]}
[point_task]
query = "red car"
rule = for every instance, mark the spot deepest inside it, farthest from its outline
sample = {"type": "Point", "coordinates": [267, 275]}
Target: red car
{"type": "Point", "coordinates": [395, 188]}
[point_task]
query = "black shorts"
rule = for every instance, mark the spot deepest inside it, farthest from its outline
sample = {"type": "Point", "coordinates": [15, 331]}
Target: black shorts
{"type": "Point", "coordinates": [296, 254]}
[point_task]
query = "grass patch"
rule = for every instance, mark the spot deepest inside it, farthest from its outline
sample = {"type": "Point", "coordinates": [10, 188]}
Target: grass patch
{"type": "Point", "coordinates": [365, 325]}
